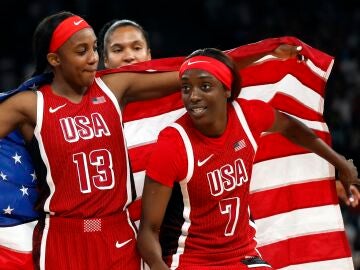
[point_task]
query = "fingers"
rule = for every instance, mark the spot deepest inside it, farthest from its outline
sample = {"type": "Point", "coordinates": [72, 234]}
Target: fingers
{"type": "Point", "coordinates": [299, 56]}
{"type": "Point", "coordinates": [354, 197]}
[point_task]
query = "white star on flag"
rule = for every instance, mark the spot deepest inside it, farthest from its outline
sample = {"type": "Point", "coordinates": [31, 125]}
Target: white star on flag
{"type": "Point", "coordinates": [24, 190]}
{"type": "Point", "coordinates": [8, 210]}
{"type": "Point", "coordinates": [33, 176]}
{"type": "Point", "coordinates": [3, 176]}
{"type": "Point", "coordinates": [17, 158]}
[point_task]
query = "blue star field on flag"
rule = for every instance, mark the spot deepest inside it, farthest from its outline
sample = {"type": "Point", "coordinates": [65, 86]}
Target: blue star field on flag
{"type": "Point", "coordinates": [18, 180]}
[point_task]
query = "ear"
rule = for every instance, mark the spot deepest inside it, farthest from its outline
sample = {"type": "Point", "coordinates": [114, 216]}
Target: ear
{"type": "Point", "coordinates": [106, 62]}
{"type": "Point", "coordinates": [227, 93]}
{"type": "Point", "coordinates": [53, 59]}
{"type": "Point", "coordinates": [148, 54]}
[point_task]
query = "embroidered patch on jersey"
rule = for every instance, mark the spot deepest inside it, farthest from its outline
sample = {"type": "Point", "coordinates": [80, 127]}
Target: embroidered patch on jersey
{"type": "Point", "coordinates": [98, 100]}
{"type": "Point", "coordinates": [92, 225]}
{"type": "Point", "coordinates": [239, 145]}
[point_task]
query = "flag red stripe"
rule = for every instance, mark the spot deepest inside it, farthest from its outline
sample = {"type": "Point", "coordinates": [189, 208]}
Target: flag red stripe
{"type": "Point", "coordinates": [304, 249]}
{"type": "Point", "coordinates": [284, 147]}
{"type": "Point", "coordinates": [10, 259]}
{"type": "Point", "coordinates": [143, 109]}
{"type": "Point", "coordinates": [290, 105]}
{"type": "Point", "coordinates": [273, 71]}
{"type": "Point", "coordinates": [320, 59]}
{"type": "Point", "coordinates": [293, 197]}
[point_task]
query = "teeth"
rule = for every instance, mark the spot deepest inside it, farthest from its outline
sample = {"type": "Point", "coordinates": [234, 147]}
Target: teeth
{"type": "Point", "coordinates": [198, 110]}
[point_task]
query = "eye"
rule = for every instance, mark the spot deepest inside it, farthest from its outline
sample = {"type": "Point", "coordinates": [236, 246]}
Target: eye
{"type": "Point", "coordinates": [116, 50]}
{"type": "Point", "coordinates": [138, 48]}
{"type": "Point", "coordinates": [185, 88]}
{"type": "Point", "coordinates": [81, 51]}
{"type": "Point", "coordinates": [206, 86]}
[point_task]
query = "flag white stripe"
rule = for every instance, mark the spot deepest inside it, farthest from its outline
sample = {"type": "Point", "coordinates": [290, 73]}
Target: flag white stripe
{"type": "Point", "coordinates": [18, 238]}
{"type": "Point", "coordinates": [290, 86]}
{"type": "Point", "coordinates": [297, 223]}
{"type": "Point", "coordinates": [302, 170]}
{"type": "Point", "coordinates": [147, 129]}
{"type": "Point", "coordinates": [139, 182]}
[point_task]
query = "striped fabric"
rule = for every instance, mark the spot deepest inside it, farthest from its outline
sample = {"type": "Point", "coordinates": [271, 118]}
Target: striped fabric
{"type": "Point", "coordinates": [293, 195]}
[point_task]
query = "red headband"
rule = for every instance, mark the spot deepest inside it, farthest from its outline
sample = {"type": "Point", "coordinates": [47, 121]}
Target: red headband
{"type": "Point", "coordinates": [65, 30]}
{"type": "Point", "coordinates": [217, 68]}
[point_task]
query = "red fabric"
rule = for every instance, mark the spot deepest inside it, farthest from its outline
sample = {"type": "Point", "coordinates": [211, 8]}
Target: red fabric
{"type": "Point", "coordinates": [65, 30]}
{"type": "Point", "coordinates": [211, 65]}
{"type": "Point", "coordinates": [14, 260]}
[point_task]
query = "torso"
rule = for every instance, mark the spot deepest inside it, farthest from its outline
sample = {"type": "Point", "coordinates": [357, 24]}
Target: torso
{"type": "Point", "coordinates": [83, 148]}
{"type": "Point", "coordinates": [213, 198]}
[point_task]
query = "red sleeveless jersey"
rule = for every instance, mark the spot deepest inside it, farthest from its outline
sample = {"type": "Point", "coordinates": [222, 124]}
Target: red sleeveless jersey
{"type": "Point", "coordinates": [83, 149]}
{"type": "Point", "coordinates": [208, 220]}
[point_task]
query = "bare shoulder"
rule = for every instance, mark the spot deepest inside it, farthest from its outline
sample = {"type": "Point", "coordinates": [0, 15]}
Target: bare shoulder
{"type": "Point", "coordinates": [24, 103]}
{"type": "Point", "coordinates": [118, 82]}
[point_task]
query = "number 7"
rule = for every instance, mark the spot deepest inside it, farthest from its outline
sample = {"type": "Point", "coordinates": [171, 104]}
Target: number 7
{"type": "Point", "coordinates": [230, 207]}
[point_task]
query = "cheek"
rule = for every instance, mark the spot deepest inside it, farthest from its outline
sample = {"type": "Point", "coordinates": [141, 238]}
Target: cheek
{"type": "Point", "coordinates": [184, 98]}
{"type": "Point", "coordinates": [114, 60]}
{"type": "Point", "coordinates": [142, 55]}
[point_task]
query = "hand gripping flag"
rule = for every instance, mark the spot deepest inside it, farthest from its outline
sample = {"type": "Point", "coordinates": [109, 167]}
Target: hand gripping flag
{"type": "Point", "coordinates": [293, 195]}
{"type": "Point", "coordinates": [17, 194]}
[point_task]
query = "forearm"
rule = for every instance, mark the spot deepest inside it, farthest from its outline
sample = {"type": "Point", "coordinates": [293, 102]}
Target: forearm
{"type": "Point", "coordinates": [301, 135]}
{"type": "Point", "coordinates": [283, 51]}
{"type": "Point", "coordinates": [150, 249]}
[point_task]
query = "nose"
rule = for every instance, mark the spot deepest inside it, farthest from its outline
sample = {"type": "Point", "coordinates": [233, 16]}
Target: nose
{"type": "Point", "coordinates": [129, 56]}
{"type": "Point", "coordinates": [195, 95]}
{"type": "Point", "coordinates": [93, 57]}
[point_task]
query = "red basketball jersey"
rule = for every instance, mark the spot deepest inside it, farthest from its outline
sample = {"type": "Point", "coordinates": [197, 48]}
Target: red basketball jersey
{"type": "Point", "coordinates": [208, 222]}
{"type": "Point", "coordinates": [83, 148]}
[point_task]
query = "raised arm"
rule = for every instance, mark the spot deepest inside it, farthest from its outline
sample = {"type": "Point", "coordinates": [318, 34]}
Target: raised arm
{"type": "Point", "coordinates": [154, 202]}
{"type": "Point", "coordinates": [18, 111]}
{"type": "Point", "coordinates": [130, 87]}
{"type": "Point", "coordinates": [300, 134]}
{"type": "Point", "coordinates": [283, 51]}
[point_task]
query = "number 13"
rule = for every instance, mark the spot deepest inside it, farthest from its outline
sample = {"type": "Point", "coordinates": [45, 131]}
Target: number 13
{"type": "Point", "coordinates": [102, 160]}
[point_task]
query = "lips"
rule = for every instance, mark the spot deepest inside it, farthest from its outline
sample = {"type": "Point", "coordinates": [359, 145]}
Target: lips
{"type": "Point", "coordinates": [197, 111]}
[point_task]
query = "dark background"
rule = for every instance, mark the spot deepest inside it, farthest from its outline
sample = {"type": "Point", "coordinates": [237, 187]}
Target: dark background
{"type": "Point", "coordinates": [179, 27]}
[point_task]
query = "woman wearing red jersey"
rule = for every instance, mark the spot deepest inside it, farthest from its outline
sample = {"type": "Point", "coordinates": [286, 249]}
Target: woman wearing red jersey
{"type": "Point", "coordinates": [77, 123]}
{"type": "Point", "coordinates": [195, 199]}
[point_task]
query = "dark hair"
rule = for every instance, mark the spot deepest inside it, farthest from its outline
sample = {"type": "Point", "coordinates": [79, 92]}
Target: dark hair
{"type": "Point", "coordinates": [42, 38]}
{"type": "Point", "coordinates": [111, 26]}
{"type": "Point", "coordinates": [222, 57]}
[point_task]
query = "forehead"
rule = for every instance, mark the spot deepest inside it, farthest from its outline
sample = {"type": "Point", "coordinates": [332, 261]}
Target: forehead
{"type": "Point", "coordinates": [122, 33]}
{"type": "Point", "coordinates": [84, 36]}
{"type": "Point", "coordinates": [197, 74]}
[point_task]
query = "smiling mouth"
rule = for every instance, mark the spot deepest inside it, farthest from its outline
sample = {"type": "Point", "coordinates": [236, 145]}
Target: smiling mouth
{"type": "Point", "coordinates": [197, 111]}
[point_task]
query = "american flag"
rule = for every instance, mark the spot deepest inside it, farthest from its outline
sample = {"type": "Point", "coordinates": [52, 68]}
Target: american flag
{"type": "Point", "coordinates": [293, 195]}
{"type": "Point", "coordinates": [98, 100]}
{"type": "Point", "coordinates": [239, 145]}
{"type": "Point", "coordinates": [17, 194]}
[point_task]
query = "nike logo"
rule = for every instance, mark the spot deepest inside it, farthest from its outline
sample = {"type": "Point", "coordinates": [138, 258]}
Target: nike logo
{"type": "Point", "coordinates": [202, 162]}
{"type": "Point", "coordinates": [195, 62]}
{"type": "Point", "coordinates": [52, 110]}
{"type": "Point", "coordinates": [78, 22]}
{"type": "Point", "coordinates": [120, 245]}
